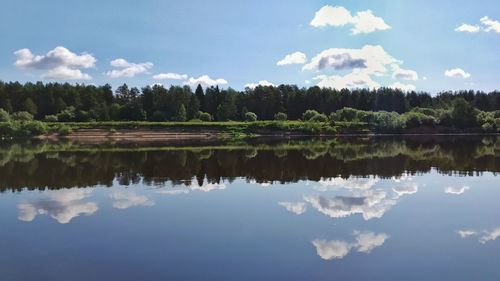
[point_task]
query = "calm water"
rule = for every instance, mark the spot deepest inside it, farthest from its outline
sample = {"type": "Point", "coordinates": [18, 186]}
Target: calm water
{"type": "Point", "coordinates": [352, 209]}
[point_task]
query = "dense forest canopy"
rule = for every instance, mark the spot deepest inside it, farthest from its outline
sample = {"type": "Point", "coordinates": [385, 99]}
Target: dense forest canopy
{"type": "Point", "coordinates": [66, 102]}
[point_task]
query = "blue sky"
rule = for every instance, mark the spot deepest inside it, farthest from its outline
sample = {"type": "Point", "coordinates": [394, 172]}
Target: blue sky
{"type": "Point", "coordinates": [240, 42]}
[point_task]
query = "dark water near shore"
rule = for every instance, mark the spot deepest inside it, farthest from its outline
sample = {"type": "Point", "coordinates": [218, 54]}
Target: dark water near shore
{"type": "Point", "coordinates": [345, 209]}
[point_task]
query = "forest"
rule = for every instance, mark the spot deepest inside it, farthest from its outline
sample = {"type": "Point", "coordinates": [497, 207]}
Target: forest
{"type": "Point", "coordinates": [384, 109]}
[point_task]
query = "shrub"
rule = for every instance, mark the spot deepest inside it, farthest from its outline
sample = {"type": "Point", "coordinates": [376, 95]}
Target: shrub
{"type": "Point", "coordinates": [384, 121]}
{"type": "Point", "coordinates": [22, 116]}
{"type": "Point", "coordinates": [309, 114]}
{"type": "Point", "coordinates": [33, 128]}
{"type": "Point", "coordinates": [417, 119]}
{"type": "Point", "coordinates": [67, 115]}
{"type": "Point", "coordinates": [280, 116]}
{"type": "Point", "coordinates": [50, 118]}
{"type": "Point", "coordinates": [250, 117]}
{"type": "Point", "coordinates": [4, 116]}
{"type": "Point", "coordinates": [319, 118]}
{"type": "Point", "coordinates": [64, 130]}
{"type": "Point", "coordinates": [205, 117]}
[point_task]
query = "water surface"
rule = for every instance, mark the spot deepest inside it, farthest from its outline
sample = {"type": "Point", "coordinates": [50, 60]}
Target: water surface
{"type": "Point", "coordinates": [346, 209]}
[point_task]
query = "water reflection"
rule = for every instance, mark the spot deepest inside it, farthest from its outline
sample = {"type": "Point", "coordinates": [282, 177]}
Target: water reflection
{"type": "Point", "coordinates": [297, 208]}
{"type": "Point", "coordinates": [56, 165]}
{"type": "Point", "coordinates": [456, 190]}
{"type": "Point", "coordinates": [126, 199]}
{"type": "Point", "coordinates": [365, 242]}
{"type": "Point", "coordinates": [61, 205]}
{"type": "Point", "coordinates": [483, 236]}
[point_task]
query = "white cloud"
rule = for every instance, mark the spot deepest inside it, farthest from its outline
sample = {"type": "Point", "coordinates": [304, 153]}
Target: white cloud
{"type": "Point", "coordinates": [371, 59]}
{"type": "Point", "coordinates": [466, 233]}
{"type": "Point", "coordinates": [490, 25]}
{"type": "Point", "coordinates": [363, 64]}
{"type": "Point", "coordinates": [127, 69]}
{"type": "Point", "coordinates": [362, 22]}
{"type": "Point", "coordinates": [404, 74]}
{"type": "Point", "coordinates": [61, 205]}
{"type": "Point", "coordinates": [60, 63]}
{"type": "Point", "coordinates": [207, 187]}
{"type": "Point", "coordinates": [261, 83]}
{"type": "Point", "coordinates": [294, 58]}
{"type": "Point", "coordinates": [403, 87]}
{"type": "Point", "coordinates": [126, 199]}
{"type": "Point", "coordinates": [487, 25]}
{"type": "Point", "coordinates": [354, 80]}
{"type": "Point", "coordinates": [468, 28]}
{"type": "Point", "coordinates": [456, 190]}
{"type": "Point", "coordinates": [457, 73]}
{"type": "Point", "coordinates": [205, 81]}
{"type": "Point", "coordinates": [170, 76]}
{"type": "Point", "coordinates": [297, 208]}
{"type": "Point", "coordinates": [365, 242]}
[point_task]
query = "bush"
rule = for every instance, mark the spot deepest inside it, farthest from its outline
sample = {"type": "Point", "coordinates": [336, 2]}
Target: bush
{"type": "Point", "coordinates": [50, 118]}
{"type": "Point", "coordinates": [250, 117]}
{"type": "Point", "coordinates": [22, 116]}
{"type": "Point", "coordinates": [4, 116]}
{"type": "Point", "coordinates": [384, 121]}
{"type": "Point", "coordinates": [416, 119]}
{"type": "Point", "coordinates": [64, 130]}
{"type": "Point", "coordinates": [205, 117]}
{"type": "Point", "coordinates": [309, 114]}
{"type": "Point", "coordinates": [319, 118]}
{"type": "Point", "coordinates": [67, 115]}
{"type": "Point", "coordinates": [33, 128]}
{"type": "Point", "coordinates": [280, 116]}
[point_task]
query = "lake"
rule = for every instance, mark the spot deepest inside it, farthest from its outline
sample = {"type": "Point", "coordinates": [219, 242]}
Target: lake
{"type": "Point", "coordinates": [414, 208]}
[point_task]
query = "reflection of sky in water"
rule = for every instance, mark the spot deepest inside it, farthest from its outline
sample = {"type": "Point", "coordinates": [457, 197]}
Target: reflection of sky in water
{"type": "Point", "coordinates": [353, 229]}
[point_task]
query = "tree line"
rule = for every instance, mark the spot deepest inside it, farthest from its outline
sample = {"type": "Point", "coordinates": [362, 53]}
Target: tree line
{"type": "Point", "coordinates": [82, 103]}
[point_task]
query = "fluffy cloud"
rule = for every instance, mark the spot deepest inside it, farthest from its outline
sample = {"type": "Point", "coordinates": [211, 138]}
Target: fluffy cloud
{"type": "Point", "coordinates": [363, 64]}
{"type": "Point", "coordinates": [205, 81]}
{"type": "Point", "coordinates": [194, 186]}
{"type": "Point", "coordinates": [362, 22]}
{"type": "Point", "coordinates": [297, 208]}
{"type": "Point", "coordinates": [457, 73]}
{"type": "Point", "coordinates": [170, 76]}
{"type": "Point", "coordinates": [404, 74]}
{"type": "Point", "coordinates": [365, 242]}
{"type": "Point", "coordinates": [61, 205]}
{"type": "Point", "coordinates": [456, 190]}
{"type": "Point", "coordinates": [127, 69]}
{"type": "Point", "coordinates": [487, 25]}
{"type": "Point", "coordinates": [294, 58]}
{"type": "Point", "coordinates": [468, 28]}
{"type": "Point", "coordinates": [403, 87]}
{"type": "Point", "coordinates": [261, 83]}
{"type": "Point", "coordinates": [371, 59]}
{"type": "Point", "coordinates": [490, 25]}
{"type": "Point", "coordinates": [353, 80]}
{"type": "Point", "coordinates": [126, 199]}
{"type": "Point", "coordinates": [60, 63]}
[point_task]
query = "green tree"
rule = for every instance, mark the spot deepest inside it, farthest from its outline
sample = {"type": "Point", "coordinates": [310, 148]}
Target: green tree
{"type": "Point", "coordinates": [181, 114]}
{"type": "Point", "coordinates": [462, 114]}
{"type": "Point", "coordinates": [250, 117]}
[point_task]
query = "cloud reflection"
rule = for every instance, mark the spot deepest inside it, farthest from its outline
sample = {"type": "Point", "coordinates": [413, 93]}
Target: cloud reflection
{"type": "Point", "coordinates": [456, 190]}
{"type": "Point", "coordinates": [126, 199]}
{"type": "Point", "coordinates": [297, 208]}
{"type": "Point", "coordinates": [62, 205]}
{"type": "Point", "coordinates": [485, 236]}
{"type": "Point", "coordinates": [365, 242]}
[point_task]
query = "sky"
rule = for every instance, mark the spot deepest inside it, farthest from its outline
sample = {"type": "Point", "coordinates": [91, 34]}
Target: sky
{"type": "Point", "coordinates": [423, 45]}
